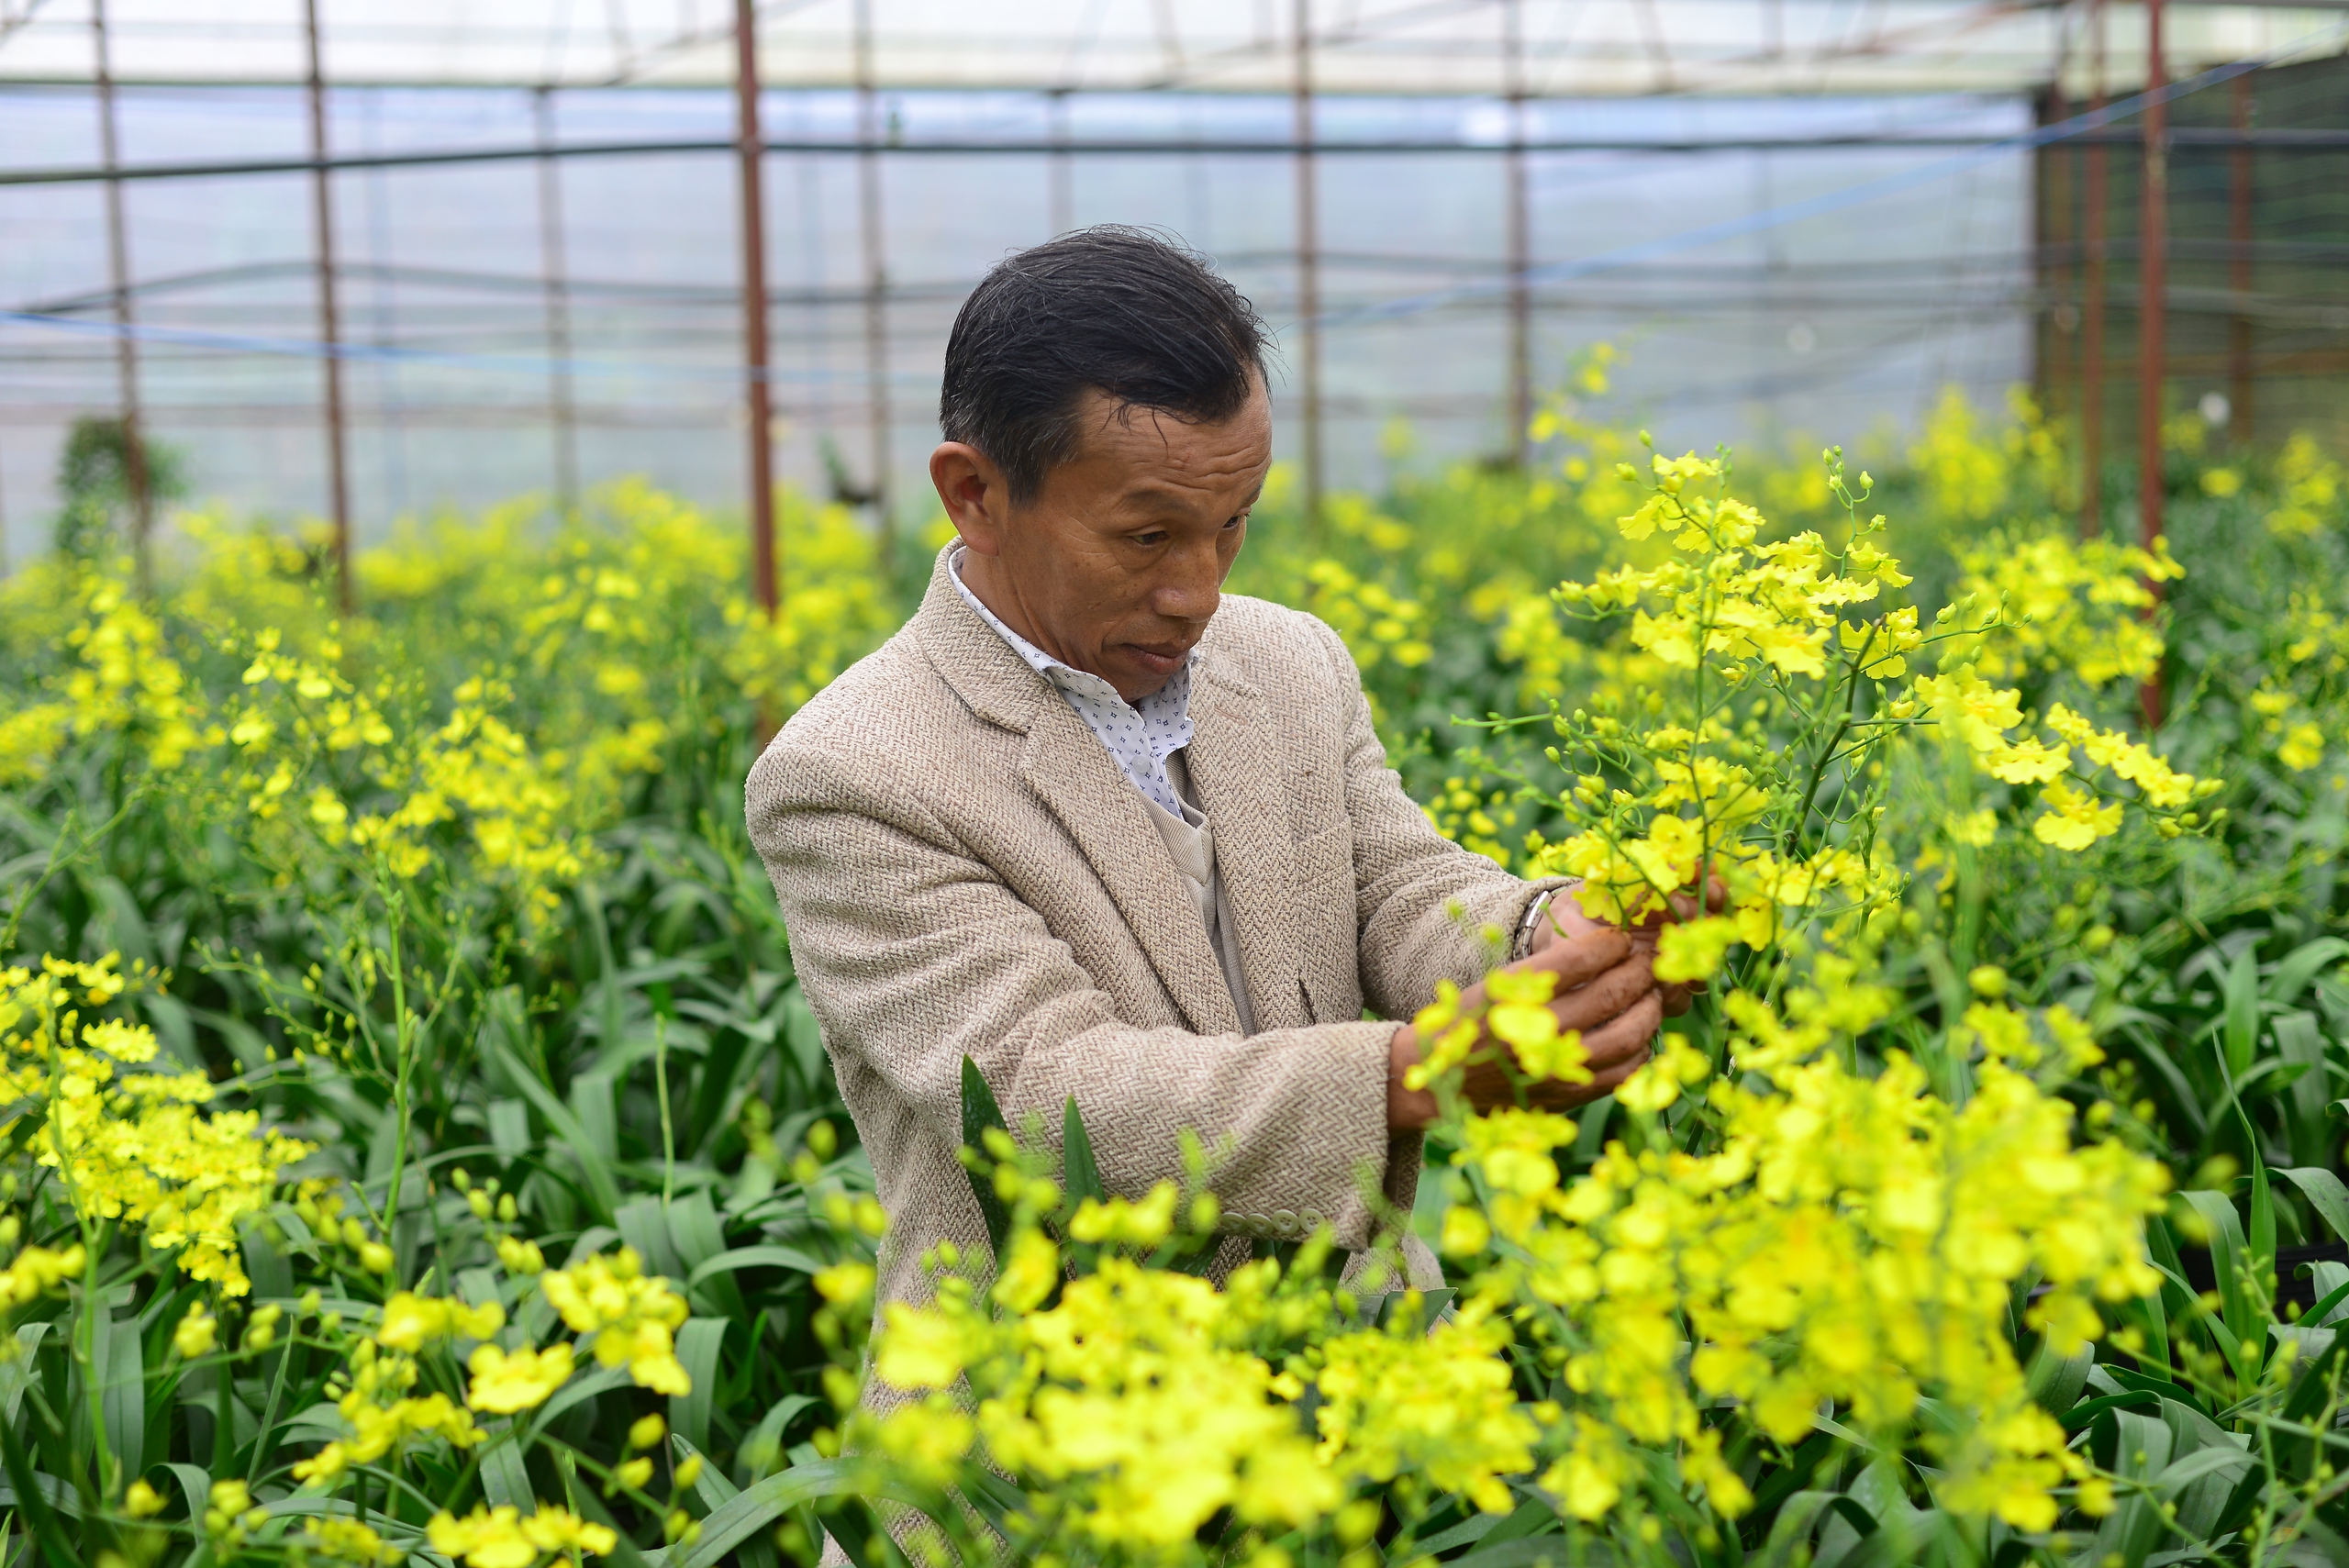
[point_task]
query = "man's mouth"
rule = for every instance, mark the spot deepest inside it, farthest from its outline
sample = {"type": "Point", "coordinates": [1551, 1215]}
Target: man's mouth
{"type": "Point", "coordinates": [1166, 657]}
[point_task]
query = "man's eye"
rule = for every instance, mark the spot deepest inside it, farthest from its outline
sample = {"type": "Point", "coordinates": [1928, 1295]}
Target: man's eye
{"type": "Point", "coordinates": [1156, 536]}
{"type": "Point", "coordinates": [1235, 522]}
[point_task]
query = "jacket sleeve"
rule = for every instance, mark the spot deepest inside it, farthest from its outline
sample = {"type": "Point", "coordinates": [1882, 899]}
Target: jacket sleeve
{"type": "Point", "coordinates": [1422, 902]}
{"type": "Point", "coordinates": [914, 953]}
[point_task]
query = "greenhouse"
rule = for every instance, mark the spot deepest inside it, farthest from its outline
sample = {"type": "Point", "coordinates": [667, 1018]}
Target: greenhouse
{"type": "Point", "coordinates": [1710, 934]}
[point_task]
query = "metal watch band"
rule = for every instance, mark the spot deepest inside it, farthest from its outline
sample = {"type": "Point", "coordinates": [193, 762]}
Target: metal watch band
{"type": "Point", "coordinates": [1523, 946]}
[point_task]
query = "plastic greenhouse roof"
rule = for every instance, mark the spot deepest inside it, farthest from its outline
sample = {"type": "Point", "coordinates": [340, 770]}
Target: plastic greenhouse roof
{"type": "Point", "coordinates": [1570, 48]}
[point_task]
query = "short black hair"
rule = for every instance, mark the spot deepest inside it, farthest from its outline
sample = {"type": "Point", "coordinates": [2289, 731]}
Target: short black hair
{"type": "Point", "coordinates": [1136, 313]}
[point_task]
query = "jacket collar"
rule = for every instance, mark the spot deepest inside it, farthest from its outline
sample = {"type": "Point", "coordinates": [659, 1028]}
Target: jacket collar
{"type": "Point", "coordinates": [984, 670]}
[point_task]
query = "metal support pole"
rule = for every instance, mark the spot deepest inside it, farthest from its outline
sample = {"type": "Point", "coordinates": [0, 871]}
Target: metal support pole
{"type": "Point", "coordinates": [876, 278]}
{"type": "Point", "coordinates": [1520, 240]}
{"type": "Point", "coordinates": [2153, 317]}
{"type": "Point", "coordinates": [552, 259]}
{"type": "Point", "coordinates": [134, 446]}
{"type": "Point", "coordinates": [2240, 386]}
{"type": "Point", "coordinates": [329, 313]}
{"type": "Point", "coordinates": [2093, 220]}
{"type": "Point", "coordinates": [1308, 264]}
{"type": "Point", "coordinates": [767, 572]}
{"type": "Point", "coordinates": [1062, 195]}
{"type": "Point", "coordinates": [2053, 258]}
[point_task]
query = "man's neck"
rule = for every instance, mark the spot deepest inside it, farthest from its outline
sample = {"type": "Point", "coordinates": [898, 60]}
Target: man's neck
{"type": "Point", "coordinates": [991, 586]}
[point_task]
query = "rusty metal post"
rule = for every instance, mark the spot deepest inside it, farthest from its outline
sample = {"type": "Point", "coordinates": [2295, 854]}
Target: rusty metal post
{"type": "Point", "coordinates": [2096, 199]}
{"type": "Point", "coordinates": [2153, 317]}
{"type": "Point", "coordinates": [134, 445]}
{"type": "Point", "coordinates": [766, 568]}
{"type": "Point", "coordinates": [1308, 264]}
{"type": "Point", "coordinates": [2240, 385]}
{"type": "Point", "coordinates": [329, 311]}
{"type": "Point", "coordinates": [1520, 238]}
{"type": "Point", "coordinates": [1060, 198]}
{"type": "Point", "coordinates": [557, 287]}
{"type": "Point", "coordinates": [2052, 258]}
{"type": "Point", "coordinates": [876, 278]}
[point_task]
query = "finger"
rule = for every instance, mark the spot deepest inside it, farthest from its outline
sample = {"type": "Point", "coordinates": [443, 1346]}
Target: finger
{"type": "Point", "coordinates": [1627, 1035]}
{"type": "Point", "coordinates": [1564, 915]}
{"type": "Point", "coordinates": [1608, 1082]}
{"type": "Point", "coordinates": [1683, 907]}
{"type": "Point", "coordinates": [1675, 998]}
{"type": "Point", "coordinates": [1606, 996]}
{"type": "Point", "coordinates": [1555, 1095]}
{"type": "Point", "coordinates": [1578, 960]}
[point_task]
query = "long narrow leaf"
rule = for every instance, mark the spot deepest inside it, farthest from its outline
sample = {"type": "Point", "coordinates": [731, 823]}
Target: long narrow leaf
{"type": "Point", "coordinates": [979, 1113]}
{"type": "Point", "coordinates": [2325, 1193]}
{"type": "Point", "coordinates": [1081, 1176]}
{"type": "Point", "coordinates": [56, 1548]}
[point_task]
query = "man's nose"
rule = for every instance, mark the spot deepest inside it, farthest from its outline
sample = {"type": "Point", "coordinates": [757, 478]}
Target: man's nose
{"type": "Point", "coordinates": [1192, 585]}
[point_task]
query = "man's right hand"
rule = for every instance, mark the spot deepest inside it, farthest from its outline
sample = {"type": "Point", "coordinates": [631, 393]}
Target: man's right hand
{"type": "Point", "coordinates": [1606, 989]}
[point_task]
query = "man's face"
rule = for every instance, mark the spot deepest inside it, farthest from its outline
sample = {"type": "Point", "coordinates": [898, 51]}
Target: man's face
{"type": "Point", "coordinates": [1116, 566]}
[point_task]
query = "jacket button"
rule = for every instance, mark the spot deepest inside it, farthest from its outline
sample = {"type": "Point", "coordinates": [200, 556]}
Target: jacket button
{"type": "Point", "coordinates": [1284, 1221]}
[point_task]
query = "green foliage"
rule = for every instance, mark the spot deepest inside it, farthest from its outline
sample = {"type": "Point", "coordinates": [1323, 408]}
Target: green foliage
{"type": "Point", "coordinates": [458, 892]}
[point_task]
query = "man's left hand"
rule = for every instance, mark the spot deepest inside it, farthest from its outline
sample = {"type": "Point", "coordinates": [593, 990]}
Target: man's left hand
{"type": "Point", "coordinates": [1564, 920]}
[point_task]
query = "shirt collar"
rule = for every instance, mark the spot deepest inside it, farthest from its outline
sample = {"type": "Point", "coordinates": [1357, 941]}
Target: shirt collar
{"type": "Point", "coordinates": [1174, 695]}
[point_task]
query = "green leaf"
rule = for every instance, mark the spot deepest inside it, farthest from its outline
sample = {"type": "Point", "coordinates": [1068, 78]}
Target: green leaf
{"type": "Point", "coordinates": [579, 1389]}
{"type": "Point", "coordinates": [56, 1548]}
{"type": "Point", "coordinates": [194, 1485]}
{"type": "Point", "coordinates": [2326, 1194]}
{"type": "Point", "coordinates": [2326, 1303]}
{"type": "Point", "coordinates": [2228, 1254]}
{"type": "Point", "coordinates": [1858, 1518]}
{"type": "Point", "coordinates": [1791, 1528]}
{"type": "Point", "coordinates": [1467, 1532]}
{"type": "Point", "coordinates": [2263, 1223]}
{"type": "Point", "coordinates": [768, 1434]}
{"type": "Point", "coordinates": [1081, 1176]}
{"type": "Point", "coordinates": [2313, 1388]}
{"type": "Point", "coordinates": [16, 1371]}
{"type": "Point", "coordinates": [698, 1343]}
{"type": "Point", "coordinates": [1512, 1554]}
{"type": "Point", "coordinates": [768, 1256]}
{"type": "Point", "coordinates": [2302, 1046]}
{"type": "Point", "coordinates": [979, 1113]}
{"type": "Point", "coordinates": [2296, 969]}
{"type": "Point", "coordinates": [122, 1390]}
{"type": "Point", "coordinates": [502, 1476]}
{"type": "Point", "coordinates": [625, 1551]}
{"type": "Point", "coordinates": [2080, 1415]}
{"type": "Point", "coordinates": [711, 1486]}
{"type": "Point", "coordinates": [2177, 1299]}
{"type": "Point", "coordinates": [2183, 1473]}
{"type": "Point", "coordinates": [694, 1225]}
{"type": "Point", "coordinates": [646, 1224]}
{"type": "Point", "coordinates": [733, 1522]}
{"type": "Point", "coordinates": [593, 1167]}
{"type": "Point", "coordinates": [2241, 1019]}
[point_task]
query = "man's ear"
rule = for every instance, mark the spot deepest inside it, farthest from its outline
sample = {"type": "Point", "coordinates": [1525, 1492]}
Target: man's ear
{"type": "Point", "coordinates": [972, 488]}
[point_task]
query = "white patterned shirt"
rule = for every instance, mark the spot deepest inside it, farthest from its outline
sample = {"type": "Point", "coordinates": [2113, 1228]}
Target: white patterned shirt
{"type": "Point", "coordinates": [1140, 736]}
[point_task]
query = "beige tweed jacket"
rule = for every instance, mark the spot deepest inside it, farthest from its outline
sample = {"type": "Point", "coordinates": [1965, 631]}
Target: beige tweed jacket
{"type": "Point", "coordinates": [963, 871]}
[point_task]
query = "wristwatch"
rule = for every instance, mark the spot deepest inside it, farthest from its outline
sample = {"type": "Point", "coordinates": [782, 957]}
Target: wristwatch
{"type": "Point", "coordinates": [1535, 912]}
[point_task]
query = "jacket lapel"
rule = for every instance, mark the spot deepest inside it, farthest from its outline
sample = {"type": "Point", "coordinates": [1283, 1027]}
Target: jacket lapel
{"type": "Point", "coordinates": [1071, 772]}
{"type": "Point", "coordinates": [1237, 765]}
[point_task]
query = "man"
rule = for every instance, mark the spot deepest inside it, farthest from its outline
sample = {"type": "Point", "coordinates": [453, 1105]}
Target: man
{"type": "Point", "coordinates": [1111, 834]}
